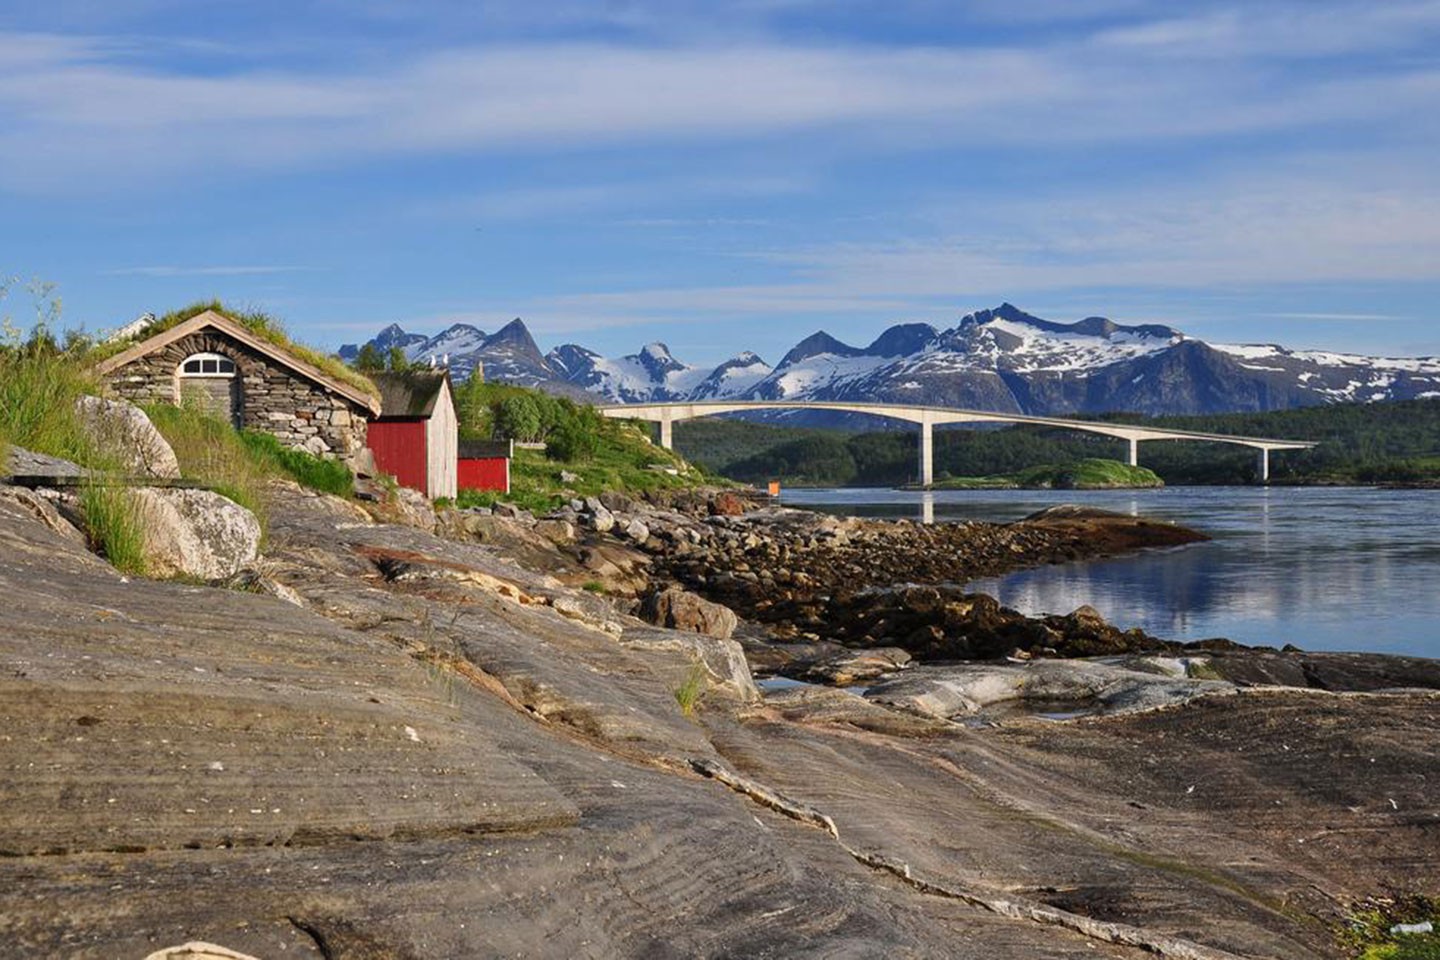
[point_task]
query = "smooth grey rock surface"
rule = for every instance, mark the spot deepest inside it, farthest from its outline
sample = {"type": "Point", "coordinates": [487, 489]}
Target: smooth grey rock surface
{"type": "Point", "coordinates": [430, 759]}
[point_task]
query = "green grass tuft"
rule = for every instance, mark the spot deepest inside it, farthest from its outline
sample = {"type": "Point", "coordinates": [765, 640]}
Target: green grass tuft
{"type": "Point", "coordinates": [693, 688]}
{"type": "Point", "coordinates": [114, 527]}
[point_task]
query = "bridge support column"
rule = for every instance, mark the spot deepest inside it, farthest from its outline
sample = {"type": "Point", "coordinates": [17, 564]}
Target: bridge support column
{"type": "Point", "coordinates": [927, 454]}
{"type": "Point", "coordinates": [667, 436]}
{"type": "Point", "coordinates": [1263, 472]}
{"type": "Point", "coordinates": [1134, 452]}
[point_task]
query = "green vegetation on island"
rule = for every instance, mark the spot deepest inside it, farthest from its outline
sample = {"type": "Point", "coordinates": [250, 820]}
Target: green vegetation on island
{"type": "Point", "coordinates": [1088, 474]}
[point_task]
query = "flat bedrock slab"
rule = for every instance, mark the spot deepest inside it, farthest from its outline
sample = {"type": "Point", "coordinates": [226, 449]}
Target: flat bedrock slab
{"type": "Point", "coordinates": [960, 690]}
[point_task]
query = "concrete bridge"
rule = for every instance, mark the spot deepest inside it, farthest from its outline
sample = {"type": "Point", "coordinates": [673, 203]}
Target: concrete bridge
{"type": "Point", "coordinates": [667, 414]}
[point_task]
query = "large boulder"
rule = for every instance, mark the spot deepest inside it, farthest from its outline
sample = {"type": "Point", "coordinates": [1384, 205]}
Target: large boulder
{"type": "Point", "coordinates": [123, 432]}
{"type": "Point", "coordinates": [675, 656]}
{"type": "Point", "coordinates": [680, 609]}
{"type": "Point", "coordinates": [196, 533]}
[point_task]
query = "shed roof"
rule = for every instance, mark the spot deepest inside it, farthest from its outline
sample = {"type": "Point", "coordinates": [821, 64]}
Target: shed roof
{"type": "Point", "coordinates": [412, 393]}
{"type": "Point", "coordinates": [237, 331]}
{"type": "Point", "coordinates": [486, 449]}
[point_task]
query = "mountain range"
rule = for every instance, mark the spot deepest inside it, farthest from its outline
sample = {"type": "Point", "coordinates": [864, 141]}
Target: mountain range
{"type": "Point", "coordinates": [1002, 359]}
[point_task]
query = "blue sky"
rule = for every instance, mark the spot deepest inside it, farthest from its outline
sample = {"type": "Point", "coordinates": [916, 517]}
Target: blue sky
{"type": "Point", "coordinates": [724, 176]}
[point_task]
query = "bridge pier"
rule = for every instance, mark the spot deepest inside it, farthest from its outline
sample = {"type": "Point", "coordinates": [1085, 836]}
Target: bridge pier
{"type": "Point", "coordinates": [1134, 452]}
{"type": "Point", "coordinates": [667, 435]}
{"type": "Point", "coordinates": [1263, 473]}
{"type": "Point", "coordinates": [927, 454]}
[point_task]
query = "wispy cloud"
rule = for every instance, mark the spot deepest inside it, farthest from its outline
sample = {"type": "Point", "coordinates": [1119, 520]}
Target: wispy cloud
{"type": "Point", "coordinates": [242, 270]}
{"type": "Point", "coordinates": [1336, 316]}
{"type": "Point", "coordinates": [1216, 235]}
{"type": "Point", "coordinates": [60, 97]}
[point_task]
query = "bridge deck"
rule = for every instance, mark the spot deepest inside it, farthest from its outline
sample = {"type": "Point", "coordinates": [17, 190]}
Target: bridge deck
{"type": "Point", "coordinates": [676, 412]}
{"type": "Point", "coordinates": [667, 414]}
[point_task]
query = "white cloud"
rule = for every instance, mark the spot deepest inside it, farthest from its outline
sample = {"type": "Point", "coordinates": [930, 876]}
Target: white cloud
{"type": "Point", "coordinates": [1281, 30]}
{"type": "Point", "coordinates": [1279, 228]}
{"type": "Point", "coordinates": [79, 116]}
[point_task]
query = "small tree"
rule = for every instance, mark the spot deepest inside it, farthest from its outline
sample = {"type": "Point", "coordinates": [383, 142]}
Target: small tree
{"type": "Point", "coordinates": [517, 417]}
{"type": "Point", "coordinates": [573, 441]}
{"type": "Point", "coordinates": [472, 408]}
{"type": "Point", "coordinates": [397, 362]}
{"type": "Point", "coordinates": [369, 360]}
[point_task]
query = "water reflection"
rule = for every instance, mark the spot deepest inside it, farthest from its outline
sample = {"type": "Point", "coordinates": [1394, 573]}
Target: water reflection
{"type": "Point", "coordinates": [1334, 568]}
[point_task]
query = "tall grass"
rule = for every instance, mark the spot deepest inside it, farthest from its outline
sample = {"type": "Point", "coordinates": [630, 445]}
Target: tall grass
{"type": "Point", "coordinates": [38, 389]}
{"type": "Point", "coordinates": [692, 688]}
{"type": "Point", "coordinates": [238, 464]}
{"type": "Point", "coordinates": [209, 450]}
{"type": "Point", "coordinates": [114, 526]}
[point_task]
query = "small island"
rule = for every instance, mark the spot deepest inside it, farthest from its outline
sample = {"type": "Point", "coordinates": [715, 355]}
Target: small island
{"type": "Point", "coordinates": [1091, 473]}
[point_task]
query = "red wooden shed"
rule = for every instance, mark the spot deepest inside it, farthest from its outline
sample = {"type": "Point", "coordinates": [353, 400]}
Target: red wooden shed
{"type": "Point", "coordinates": [414, 438]}
{"type": "Point", "coordinates": [485, 464]}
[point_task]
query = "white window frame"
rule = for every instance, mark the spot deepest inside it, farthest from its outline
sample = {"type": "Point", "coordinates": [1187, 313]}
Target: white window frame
{"type": "Point", "coordinates": [217, 362]}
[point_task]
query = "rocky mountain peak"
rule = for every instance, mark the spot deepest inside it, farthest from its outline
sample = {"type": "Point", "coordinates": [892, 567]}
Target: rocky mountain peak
{"type": "Point", "coordinates": [902, 339]}
{"type": "Point", "coordinates": [817, 343]}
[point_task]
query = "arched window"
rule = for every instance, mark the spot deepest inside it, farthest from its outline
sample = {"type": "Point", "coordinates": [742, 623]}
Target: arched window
{"type": "Point", "coordinates": [207, 365]}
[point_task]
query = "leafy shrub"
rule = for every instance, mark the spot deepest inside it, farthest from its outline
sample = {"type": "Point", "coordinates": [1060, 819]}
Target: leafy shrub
{"type": "Point", "coordinates": [575, 440]}
{"type": "Point", "coordinates": [517, 417]}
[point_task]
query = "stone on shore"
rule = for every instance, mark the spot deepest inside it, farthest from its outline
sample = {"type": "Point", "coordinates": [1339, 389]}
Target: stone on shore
{"type": "Point", "coordinates": [961, 690]}
{"type": "Point", "coordinates": [680, 609]}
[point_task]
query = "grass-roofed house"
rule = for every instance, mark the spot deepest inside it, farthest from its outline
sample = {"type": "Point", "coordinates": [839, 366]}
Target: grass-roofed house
{"type": "Point", "coordinates": [249, 374]}
{"type": "Point", "coordinates": [415, 437]}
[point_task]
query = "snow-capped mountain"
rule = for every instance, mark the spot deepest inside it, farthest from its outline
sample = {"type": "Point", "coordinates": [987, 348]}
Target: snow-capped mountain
{"type": "Point", "coordinates": [509, 354]}
{"type": "Point", "coordinates": [1002, 359]}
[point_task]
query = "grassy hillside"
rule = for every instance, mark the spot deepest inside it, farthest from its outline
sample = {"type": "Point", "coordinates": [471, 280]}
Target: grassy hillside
{"type": "Point", "coordinates": [585, 454]}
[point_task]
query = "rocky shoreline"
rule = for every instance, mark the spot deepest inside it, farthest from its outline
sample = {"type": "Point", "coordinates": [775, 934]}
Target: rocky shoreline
{"type": "Point", "coordinates": [402, 734]}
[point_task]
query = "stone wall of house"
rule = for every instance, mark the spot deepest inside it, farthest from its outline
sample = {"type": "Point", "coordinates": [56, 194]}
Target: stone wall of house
{"type": "Point", "coordinates": [301, 414]}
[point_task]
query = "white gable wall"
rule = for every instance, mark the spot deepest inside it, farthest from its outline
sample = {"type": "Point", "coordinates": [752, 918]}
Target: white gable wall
{"type": "Point", "coordinates": [442, 438]}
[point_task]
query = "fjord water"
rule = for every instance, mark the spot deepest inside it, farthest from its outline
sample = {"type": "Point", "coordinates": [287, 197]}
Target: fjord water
{"type": "Point", "coordinates": [1324, 568]}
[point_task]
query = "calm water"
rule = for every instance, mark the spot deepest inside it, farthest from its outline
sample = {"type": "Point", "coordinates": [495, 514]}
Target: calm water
{"type": "Point", "coordinates": [1322, 568]}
